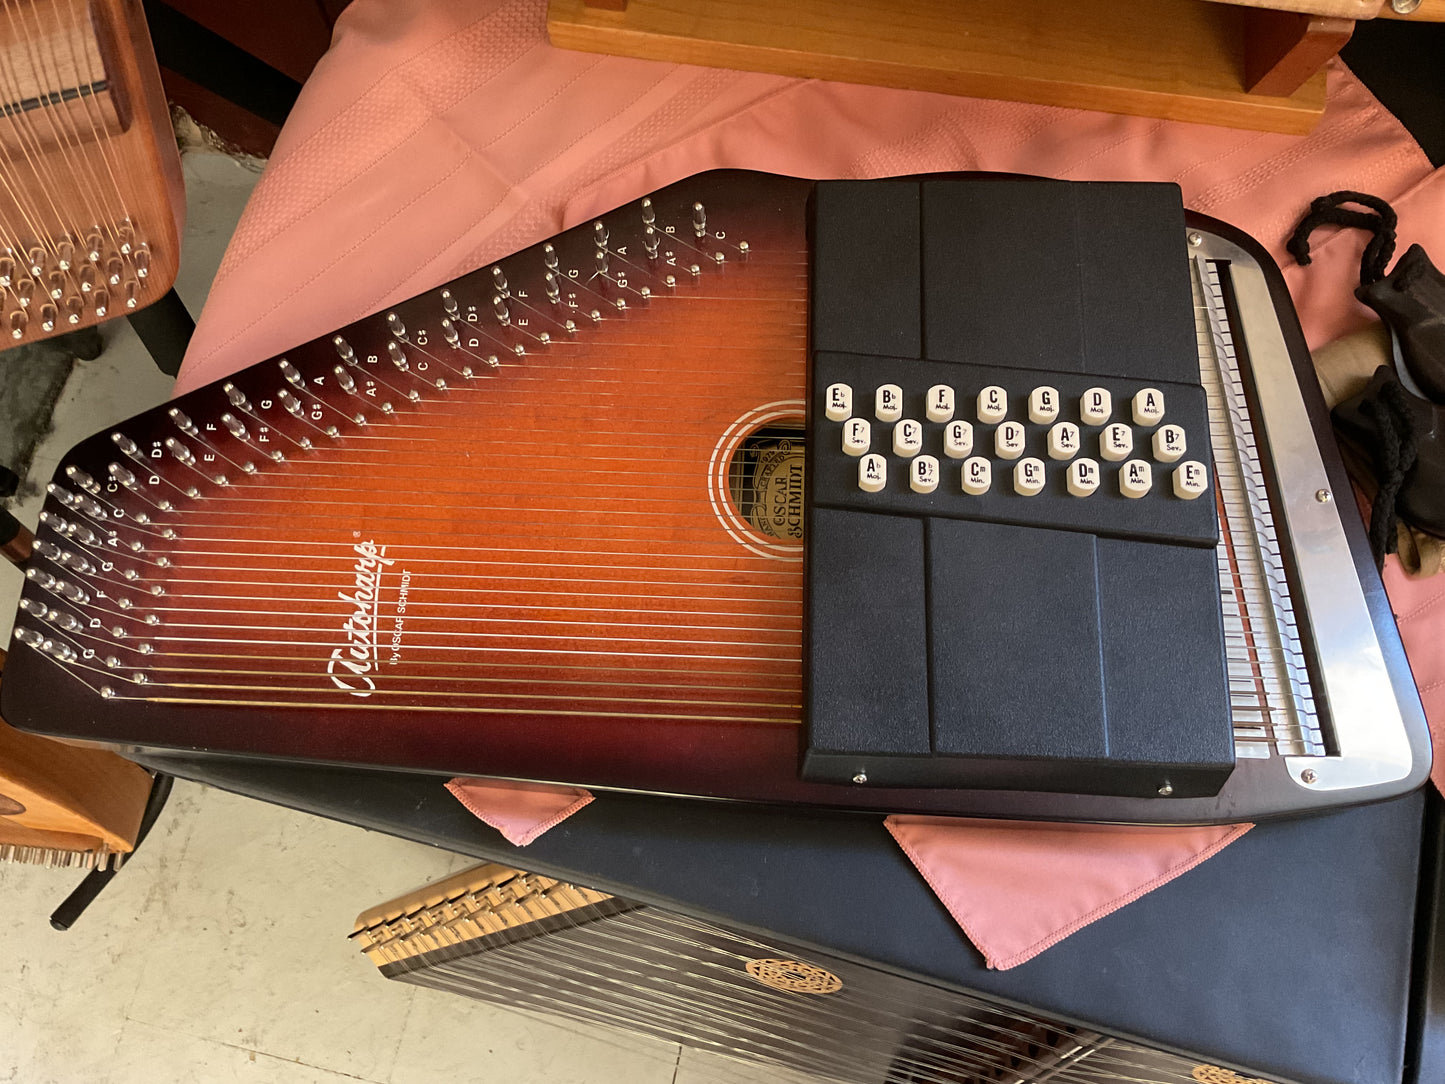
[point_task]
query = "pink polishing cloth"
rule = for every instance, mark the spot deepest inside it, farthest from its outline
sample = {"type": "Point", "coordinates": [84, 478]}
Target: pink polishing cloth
{"type": "Point", "coordinates": [433, 138]}
{"type": "Point", "coordinates": [520, 811]}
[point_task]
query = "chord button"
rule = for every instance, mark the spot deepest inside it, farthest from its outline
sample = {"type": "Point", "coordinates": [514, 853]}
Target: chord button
{"type": "Point", "coordinates": [1043, 405]}
{"type": "Point", "coordinates": [888, 403]}
{"type": "Point", "coordinates": [1008, 440]}
{"type": "Point", "coordinates": [1063, 440]}
{"type": "Point", "coordinates": [958, 440]}
{"type": "Point", "coordinates": [1116, 442]}
{"type": "Point", "coordinates": [977, 475]}
{"type": "Point", "coordinates": [907, 438]}
{"type": "Point", "coordinates": [1136, 478]}
{"type": "Point", "coordinates": [840, 403]}
{"type": "Point", "coordinates": [1095, 406]}
{"type": "Point", "coordinates": [1169, 443]}
{"type": "Point", "coordinates": [940, 403]}
{"type": "Point", "coordinates": [1148, 406]}
{"type": "Point", "coordinates": [857, 436]}
{"type": "Point", "coordinates": [992, 404]}
{"type": "Point", "coordinates": [1191, 479]}
{"type": "Point", "coordinates": [872, 473]}
{"type": "Point", "coordinates": [923, 474]}
{"type": "Point", "coordinates": [1029, 477]}
{"type": "Point", "coordinates": [1083, 477]}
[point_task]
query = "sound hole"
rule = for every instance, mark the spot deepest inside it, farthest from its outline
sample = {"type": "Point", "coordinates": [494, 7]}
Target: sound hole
{"type": "Point", "coordinates": [794, 976]}
{"type": "Point", "coordinates": [9, 807]}
{"type": "Point", "coordinates": [765, 480]}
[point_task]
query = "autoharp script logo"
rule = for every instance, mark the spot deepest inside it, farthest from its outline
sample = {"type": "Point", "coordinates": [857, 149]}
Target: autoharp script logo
{"type": "Point", "coordinates": [351, 666]}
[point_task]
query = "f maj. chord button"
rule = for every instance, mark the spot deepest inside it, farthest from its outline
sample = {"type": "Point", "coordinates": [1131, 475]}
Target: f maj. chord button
{"type": "Point", "coordinates": [1191, 479]}
{"type": "Point", "coordinates": [1136, 478]}
{"type": "Point", "coordinates": [840, 403]}
{"type": "Point", "coordinates": [1083, 477]}
{"type": "Point", "coordinates": [958, 440]}
{"type": "Point", "coordinates": [857, 436]}
{"type": "Point", "coordinates": [923, 474]}
{"type": "Point", "coordinates": [872, 473]}
{"type": "Point", "coordinates": [977, 475]}
{"type": "Point", "coordinates": [1029, 477]}
{"type": "Point", "coordinates": [940, 403]}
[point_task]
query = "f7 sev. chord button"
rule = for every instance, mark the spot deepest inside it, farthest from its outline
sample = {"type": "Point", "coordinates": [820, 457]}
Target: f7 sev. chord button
{"type": "Point", "coordinates": [857, 436]}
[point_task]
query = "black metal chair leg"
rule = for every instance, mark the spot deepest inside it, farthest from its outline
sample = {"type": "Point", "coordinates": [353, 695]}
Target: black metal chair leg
{"type": "Point", "coordinates": [165, 328]}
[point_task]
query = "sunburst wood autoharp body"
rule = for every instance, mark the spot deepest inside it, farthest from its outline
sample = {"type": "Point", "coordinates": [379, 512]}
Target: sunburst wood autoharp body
{"type": "Point", "coordinates": [91, 197]}
{"type": "Point", "coordinates": [545, 523]}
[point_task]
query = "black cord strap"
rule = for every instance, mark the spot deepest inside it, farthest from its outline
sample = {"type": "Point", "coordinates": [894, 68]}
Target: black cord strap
{"type": "Point", "coordinates": [1329, 210]}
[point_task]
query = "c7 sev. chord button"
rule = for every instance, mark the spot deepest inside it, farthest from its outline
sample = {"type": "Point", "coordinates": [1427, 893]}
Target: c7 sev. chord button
{"type": "Point", "coordinates": [872, 473]}
{"type": "Point", "coordinates": [939, 407]}
{"type": "Point", "coordinates": [1136, 478]}
{"type": "Point", "coordinates": [1029, 477]}
{"type": "Point", "coordinates": [907, 437]}
{"type": "Point", "coordinates": [857, 436]}
{"type": "Point", "coordinates": [923, 474]}
{"type": "Point", "coordinates": [977, 475]}
{"type": "Point", "coordinates": [1191, 479]}
{"type": "Point", "coordinates": [958, 440]}
{"type": "Point", "coordinates": [840, 403]}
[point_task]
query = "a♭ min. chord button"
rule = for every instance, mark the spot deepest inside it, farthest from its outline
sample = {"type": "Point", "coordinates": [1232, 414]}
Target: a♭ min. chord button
{"type": "Point", "coordinates": [1029, 477]}
{"type": "Point", "coordinates": [1043, 405]}
{"type": "Point", "coordinates": [923, 474]}
{"type": "Point", "coordinates": [1191, 479]}
{"type": "Point", "coordinates": [957, 440]}
{"type": "Point", "coordinates": [1136, 478]}
{"type": "Point", "coordinates": [939, 407]}
{"type": "Point", "coordinates": [1008, 440]}
{"type": "Point", "coordinates": [1169, 443]}
{"type": "Point", "coordinates": [1148, 406]}
{"type": "Point", "coordinates": [907, 437]}
{"type": "Point", "coordinates": [1116, 442]}
{"type": "Point", "coordinates": [1095, 406]}
{"type": "Point", "coordinates": [977, 475]}
{"type": "Point", "coordinates": [1063, 440]}
{"type": "Point", "coordinates": [992, 404]}
{"type": "Point", "coordinates": [857, 436]}
{"type": "Point", "coordinates": [872, 473]}
{"type": "Point", "coordinates": [888, 403]}
{"type": "Point", "coordinates": [1083, 478]}
{"type": "Point", "coordinates": [840, 403]}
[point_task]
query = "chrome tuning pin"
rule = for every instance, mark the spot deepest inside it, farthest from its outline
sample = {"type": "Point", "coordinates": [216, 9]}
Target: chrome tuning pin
{"type": "Point", "coordinates": [599, 235]}
{"type": "Point", "coordinates": [649, 216]}
{"type": "Point", "coordinates": [292, 374]}
{"type": "Point", "coordinates": [699, 219]}
{"type": "Point", "coordinates": [395, 326]}
{"type": "Point", "coordinates": [500, 281]}
{"type": "Point", "coordinates": [343, 348]}
{"type": "Point", "coordinates": [503, 314]}
{"type": "Point", "coordinates": [651, 239]}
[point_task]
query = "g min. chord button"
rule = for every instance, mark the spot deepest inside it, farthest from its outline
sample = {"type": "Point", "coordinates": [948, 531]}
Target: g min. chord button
{"type": "Point", "coordinates": [940, 403]}
{"type": "Point", "coordinates": [1116, 442]}
{"type": "Point", "coordinates": [977, 475]}
{"type": "Point", "coordinates": [1095, 406]}
{"type": "Point", "coordinates": [872, 473]}
{"type": "Point", "coordinates": [1029, 477]}
{"type": "Point", "coordinates": [1191, 479]}
{"type": "Point", "coordinates": [857, 436]}
{"type": "Point", "coordinates": [1083, 477]}
{"type": "Point", "coordinates": [907, 438]}
{"type": "Point", "coordinates": [958, 440]}
{"type": "Point", "coordinates": [1169, 443]}
{"type": "Point", "coordinates": [992, 404]}
{"type": "Point", "coordinates": [840, 403]}
{"type": "Point", "coordinates": [1043, 405]}
{"type": "Point", "coordinates": [1008, 440]}
{"type": "Point", "coordinates": [1148, 406]}
{"type": "Point", "coordinates": [1063, 440]}
{"type": "Point", "coordinates": [1136, 478]}
{"type": "Point", "coordinates": [888, 403]}
{"type": "Point", "coordinates": [923, 474]}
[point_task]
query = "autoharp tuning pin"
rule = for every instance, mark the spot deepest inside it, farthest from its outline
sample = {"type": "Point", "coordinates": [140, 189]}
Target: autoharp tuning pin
{"type": "Point", "coordinates": [74, 309]}
{"type": "Point", "coordinates": [130, 293]}
{"type": "Point", "coordinates": [180, 451]}
{"type": "Point", "coordinates": [292, 404]}
{"type": "Point", "coordinates": [343, 348]}
{"type": "Point", "coordinates": [100, 302]}
{"type": "Point", "coordinates": [88, 278]}
{"type": "Point", "coordinates": [395, 326]}
{"type": "Point", "coordinates": [83, 480]}
{"type": "Point", "coordinates": [48, 317]}
{"type": "Point", "coordinates": [234, 426]}
{"type": "Point", "coordinates": [125, 236]}
{"type": "Point", "coordinates": [124, 443]}
{"type": "Point", "coordinates": [36, 261]}
{"type": "Point", "coordinates": [292, 374]}
{"type": "Point", "coordinates": [237, 396]}
{"type": "Point", "coordinates": [7, 269]}
{"type": "Point", "coordinates": [33, 606]}
{"type": "Point", "coordinates": [549, 257]}
{"type": "Point", "coordinates": [449, 303]}
{"type": "Point", "coordinates": [602, 261]}
{"type": "Point", "coordinates": [183, 423]}
{"type": "Point", "coordinates": [114, 270]}
{"type": "Point", "coordinates": [599, 235]}
{"type": "Point", "coordinates": [55, 285]}
{"type": "Point", "coordinates": [699, 219]}
{"type": "Point", "coordinates": [504, 317]}
{"type": "Point", "coordinates": [554, 288]}
{"type": "Point", "coordinates": [19, 319]}
{"type": "Point", "coordinates": [76, 563]}
{"type": "Point", "coordinates": [141, 260]}
{"type": "Point", "coordinates": [63, 652]}
{"type": "Point", "coordinates": [500, 281]}
{"type": "Point", "coordinates": [398, 357]}
{"type": "Point", "coordinates": [449, 332]}
{"type": "Point", "coordinates": [94, 243]}
{"type": "Point", "coordinates": [64, 253]}
{"type": "Point", "coordinates": [343, 379]}
{"type": "Point", "coordinates": [649, 216]}
{"type": "Point", "coordinates": [49, 550]}
{"type": "Point", "coordinates": [64, 496]}
{"type": "Point", "coordinates": [650, 240]}
{"type": "Point", "coordinates": [67, 621]}
{"type": "Point", "coordinates": [24, 291]}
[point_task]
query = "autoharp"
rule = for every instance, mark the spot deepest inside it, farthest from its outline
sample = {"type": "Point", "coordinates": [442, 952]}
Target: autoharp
{"type": "Point", "coordinates": [546, 523]}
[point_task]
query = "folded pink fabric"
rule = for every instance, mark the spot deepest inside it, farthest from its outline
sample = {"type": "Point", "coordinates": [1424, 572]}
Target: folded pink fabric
{"type": "Point", "coordinates": [435, 137]}
{"type": "Point", "coordinates": [520, 811]}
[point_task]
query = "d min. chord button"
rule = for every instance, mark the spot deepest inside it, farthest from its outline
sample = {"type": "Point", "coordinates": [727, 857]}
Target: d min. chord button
{"type": "Point", "coordinates": [1008, 440]}
{"type": "Point", "coordinates": [1116, 442]}
{"type": "Point", "coordinates": [1043, 405]}
{"type": "Point", "coordinates": [923, 474]}
{"type": "Point", "coordinates": [857, 436]}
{"type": "Point", "coordinates": [888, 403]}
{"type": "Point", "coordinates": [958, 440]}
{"type": "Point", "coordinates": [1095, 406]}
{"type": "Point", "coordinates": [1063, 440]}
{"type": "Point", "coordinates": [1029, 477]}
{"type": "Point", "coordinates": [992, 404]}
{"type": "Point", "coordinates": [1148, 406]}
{"type": "Point", "coordinates": [977, 475]}
{"type": "Point", "coordinates": [1083, 477]}
{"type": "Point", "coordinates": [939, 406]}
{"type": "Point", "coordinates": [1168, 443]}
{"type": "Point", "coordinates": [1191, 479]}
{"type": "Point", "coordinates": [1136, 478]}
{"type": "Point", "coordinates": [840, 403]}
{"type": "Point", "coordinates": [872, 473]}
{"type": "Point", "coordinates": [907, 437]}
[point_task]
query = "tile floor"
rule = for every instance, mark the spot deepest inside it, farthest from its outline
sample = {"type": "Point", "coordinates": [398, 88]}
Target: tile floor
{"type": "Point", "coordinates": [220, 953]}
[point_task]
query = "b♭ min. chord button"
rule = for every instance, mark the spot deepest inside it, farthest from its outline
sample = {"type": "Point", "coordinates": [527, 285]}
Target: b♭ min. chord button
{"type": "Point", "coordinates": [1063, 440]}
{"type": "Point", "coordinates": [1029, 477]}
{"type": "Point", "coordinates": [1095, 406]}
{"type": "Point", "coordinates": [907, 437]}
{"type": "Point", "coordinates": [939, 406]}
{"type": "Point", "coordinates": [1116, 442]}
{"type": "Point", "coordinates": [1136, 478]}
{"type": "Point", "coordinates": [1043, 405]}
{"type": "Point", "coordinates": [958, 440]}
{"type": "Point", "coordinates": [888, 403]}
{"type": "Point", "coordinates": [1008, 440]}
{"type": "Point", "coordinates": [1148, 406]}
{"type": "Point", "coordinates": [1169, 443]}
{"type": "Point", "coordinates": [923, 474]}
{"type": "Point", "coordinates": [840, 403]}
{"type": "Point", "coordinates": [1191, 479]}
{"type": "Point", "coordinates": [977, 475]}
{"type": "Point", "coordinates": [872, 473]}
{"type": "Point", "coordinates": [1083, 477]}
{"type": "Point", "coordinates": [857, 436]}
{"type": "Point", "coordinates": [992, 404]}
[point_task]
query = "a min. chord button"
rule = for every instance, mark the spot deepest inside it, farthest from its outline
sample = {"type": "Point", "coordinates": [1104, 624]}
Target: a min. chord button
{"type": "Point", "coordinates": [1169, 443]}
{"type": "Point", "coordinates": [907, 437]}
{"type": "Point", "coordinates": [992, 404]}
{"type": "Point", "coordinates": [939, 407]}
{"type": "Point", "coordinates": [1095, 406]}
{"type": "Point", "coordinates": [872, 473]}
{"type": "Point", "coordinates": [1063, 440]}
{"type": "Point", "coordinates": [888, 403]}
{"type": "Point", "coordinates": [1191, 479]}
{"type": "Point", "coordinates": [977, 475]}
{"type": "Point", "coordinates": [1008, 440]}
{"type": "Point", "coordinates": [1029, 477]}
{"type": "Point", "coordinates": [1148, 406]}
{"type": "Point", "coordinates": [840, 403]}
{"type": "Point", "coordinates": [1043, 405]}
{"type": "Point", "coordinates": [958, 440]}
{"type": "Point", "coordinates": [923, 474]}
{"type": "Point", "coordinates": [1116, 442]}
{"type": "Point", "coordinates": [857, 436]}
{"type": "Point", "coordinates": [1083, 477]}
{"type": "Point", "coordinates": [1136, 478]}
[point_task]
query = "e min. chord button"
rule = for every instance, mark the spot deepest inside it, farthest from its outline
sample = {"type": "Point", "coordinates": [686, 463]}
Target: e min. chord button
{"type": "Point", "coordinates": [1136, 478]}
{"type": "Point", "coordinates": [857, 436]}
{"type": "Point", "coordinates": [872, 473]}
{"type": "Point", "coordinates": [888, 403]}
{"type": "Point", "coordinates": [1191, 479]}
{"type": "Point", "coordinates": [907, 437]}
{"type": "Point", "coordinates": [840, 403]}
{"type": "Point", "coordinates": [939, 406]}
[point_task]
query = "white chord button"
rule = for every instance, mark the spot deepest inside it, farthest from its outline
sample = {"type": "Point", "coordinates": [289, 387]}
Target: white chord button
{"type": "Point", "coordinates": [1029, 477]}
{"type": "Point", "coordinates": [888, 403]}
{"type": "Point", "coordinates": [1148, 406]}
{"type": "Point", "coordinates": [958, 440]}
{"type": "Point", "coordinates": [1168, 443]}
{"type": "Point", "coordinates": [1043, 405]}
{"type": "Point", "coordinates": [992, 404]}
{"type": "Point", "coordinates": [872, 473]}
{"type": "Point", "coordinates": [939, 407]}
{"type": "Point", "coordinates": [840, 402]}
{"type": "Point", "coordinates": [923, 474]}
{"type": "Point", "coordinates": [857, 436]}
{"type": "Point", "coordinates": [1063, 440]}
{"type": "Point", "coordinates": [1095, 406]}
{"type": "Point", "coordinates": [1136, 478]}
{"type": "Point", "coordinates": [1083, 477]}
{"type": "Point", "coordinates": [977, 475]}
{"type": "Point", "coordinates": [1008, 440]}
{"type": "Point", "coordinates": [907, 437]}
{"type": "Point", "coordinates": [1191, 479]}
{"type": "Point", "coordinates": [1116, 442]}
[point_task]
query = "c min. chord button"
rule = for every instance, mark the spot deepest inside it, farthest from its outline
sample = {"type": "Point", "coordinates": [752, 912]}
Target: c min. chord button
{"type": "Point", "coordinates": [1083, 477]}
{"type": "Point", "coordinates": [1029, 477]}
{"type": "Point", "coordinates": [923, 474]}
{"type": "Point", "coordinates": [992, 404]}
{"type": "Point", "coordinates": [977, 475]}
{"type": "Point", "coordinates": [872, 473]}
{"type": "Point", "coordinates": [958, 440]}
{"type": "Point", "coordinates": [857, 436]}
{"type": "Point", "coordinates": [1116, 442]}
{"type": "Point", "coordinates": [1148, 406]}
{"type": "Point", "coordinates": [1191, 479]}
{"type": "Point", "coordinates": [840, 403]}
{"type": "Point", "coordinates": [907, 437]}
{"type": "Point", "coordinates": [888, 403]}
{"type": "Point", "coordinates": [1095, 406]}
{"type": "Point", "coordinates": [1043, 405]}
{"type": "Point", "coordinates": [939, 407]}
{"type": "Point", "coordinates": [1136, 478]}
{"type": "Point", "coordinates": [1063, 440]}
{"type": "Point", "coordinates": [1168, 443]}
{"type": "Point", "coordinates": [1008, 440]}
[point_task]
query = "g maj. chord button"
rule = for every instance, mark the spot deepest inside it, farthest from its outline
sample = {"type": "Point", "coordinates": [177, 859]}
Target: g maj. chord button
{"type": "Point", "coordinates": [907, 438]}
{"type": "Point", "coordinates": [992, 404]}
{"type": "Point", "coordinates": [1063, 440]}
{"type": "Point", "coordinates": [977, 475]}
{"type": "Point", "coordinates": [958, 440]}
{"type": "Point", "coordinates": [857, 436]}
{"type": "Point", "coordinates": [1029, 477]}
{"type": "Point", "coordinates": [1168, 443]}
{"type": "Point", "coordinates": [1008, 440]}
{"type": "Point", "coordinates": [1191, 479]}
{"type": "Point", "coordinates": [1043, 405]}
{"type": "Point", "coordinates": [1116, 442]}
{"type": "Point", "coordinates": [1136, 478]}
{"type": "Point", "coordinates": [923, 474]}
{"type": "Point", "coordinates": [1083, 477]}
{"type": "Point", "coordinates": [939, 406]}
{"type": "Point", "coordinates": [888, 403]}
{"type": "Point", "coordinates": [840, 403]}
{"type": "Point", "coordinates": [872, 473]}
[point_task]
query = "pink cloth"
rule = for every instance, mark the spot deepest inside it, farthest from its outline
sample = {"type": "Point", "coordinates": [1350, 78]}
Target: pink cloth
{"type": "Point", "coordinates": [520, 811]}
{"type": "Point", "coordinates": [433, 138]}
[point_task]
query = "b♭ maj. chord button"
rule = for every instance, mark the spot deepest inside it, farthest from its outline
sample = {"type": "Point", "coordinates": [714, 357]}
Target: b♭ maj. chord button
{"type": "Point", "coordinates": [857, 436]}
{"type": "Point", "coordinates": [958, 440]}
{"type": "Point", "coordinates": [1136, 478]}
{"type": "Point", "coordinates": [1191, 479]}
{"type": "Point", "coordinates": [840, 403]}
{"type": "Point", "coordinates": [1029, 477]}
{"type": "Point", "coordinates": [923, 474]}
{"type": "Point", "coordinates": [1168, 443]}
{"type": "Point", "coordinates": [888, 403]}
{"type": "Point", "coordinates": [1083, 478]}
{"type": "Point", "coordinates": [939, 407]}
{"type": "Point", "coordinates": [1148, 406]}
{"type": "Point", "coordinates": [977, 475]}
{"type": "Point", "coordinates": [872, 473]}
{"type": "Point", "coordinates": [907, 437]}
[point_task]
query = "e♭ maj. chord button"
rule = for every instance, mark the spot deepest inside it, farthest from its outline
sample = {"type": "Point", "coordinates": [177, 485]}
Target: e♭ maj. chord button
{"type": "Point", "coordinates": [857, 436]}
{"type": "Point", "coordinates": [1008, 440]}
{"type": "Point", "coordinates": [872, 473]}
{"type": "Point", "coordinates": [1116, 442]}
{"type": "Point", "coordinates": [977, 475]}
{"type": "Point", "coordinates": [1063, 440]}
{"type": "Point", "coordinates": [923, 474]}
{"type": "Point", "coordinates": [1136, 478]}
{"type": "Point", "coordinates": [1043, 405]}
{"type": "Point", "coordinates": [958, 440]}
{"type": "Point", "coordinates": [992, 404]}
{"type": "Point", "coordinates": [1148, 406]}
{"type": "Point", "coordinates": [939, 406]}
{"type": "Point", "coordinates": [1169, 443]}
{"type": "Point", "coordinates": [1083, 477]}
{"type": "Point", "coordinates": [1191, 479]}
{"type": "Point", "coordinates": [1029, 477]}
{"type": "Point", "coordinates": [1095, 406]}
{"type": "Point", "coordinates": [888, 403]}
{"type": "Point", "coordinates": [840, 403]}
